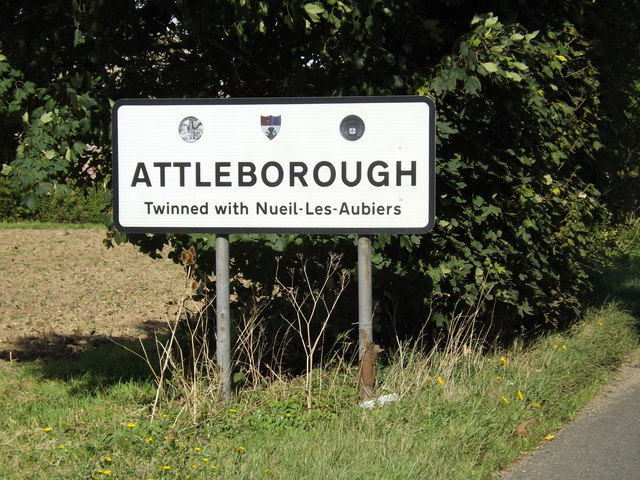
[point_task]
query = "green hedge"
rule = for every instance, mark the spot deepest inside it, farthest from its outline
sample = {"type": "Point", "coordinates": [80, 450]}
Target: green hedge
{"type": "Point", "coordinates": [517, 224]}
{"type": "Point", "coordinates": [63, 205]}
{"type": "Point", "coordinates": [519, 228]}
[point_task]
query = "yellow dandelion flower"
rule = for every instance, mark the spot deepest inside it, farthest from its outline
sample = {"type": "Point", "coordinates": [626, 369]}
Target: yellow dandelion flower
{"type": "Point", "coordinates": [600, 323]}
{"type": "Point", "coordinates": [504, 362]}
{"type": "Point", "coordinates": [505, 399]}
{"type": "Point", "coordinates": [182, 446]}
{"type": "Point", "coordinates": [240, 449]}
{"type": "Point", "coordinates": [62, 447]}
{"type": "Point", "coordinates": [214, 467]}
{"type": "Point", "coordinates": [194, 466]}
{"type": "Point", "coordinates": [131, 424]}
{"type": "Point", "coordinates": [205, 460]}
{"type": "Point", "coordinates": [165, 467]}
{"type": "Point", "coordinates": [266, 470]}
{"type": "Point", "coordinates": [549, 437]}
{"type": "Point", "coordinates": [536, 404]}
{"type": "Point", "coordinates": [149, 438]}
{"type": "Point", "coordinates": [107, 472]}
{"type": "Point", "coordinates": [520, 395]}
{"type": "Point", "coordinates": [47, 429]}
{"type": "Point", "coordinates": [197, 449]}
{"type": "Point", "coordinates": [441, 380]}
{"type": "Point", "coordinates": [107, 459]}
{"type": "Point", "coordinates": [232, 410]}
{"type": "Point", "coordinates": [564, 347]}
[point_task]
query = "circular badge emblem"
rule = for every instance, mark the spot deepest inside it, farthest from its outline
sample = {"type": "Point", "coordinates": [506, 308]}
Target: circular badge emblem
{"type": "Point", "coordinates": [352, 127]}
{"type": "Point", "coordinates": [190, 129]}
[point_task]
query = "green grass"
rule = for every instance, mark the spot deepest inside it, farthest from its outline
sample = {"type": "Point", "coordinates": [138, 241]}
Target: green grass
{"type": "Point", "coordinates": [48, 225]}
{"type": "Point", "coordinates": [457, 417]}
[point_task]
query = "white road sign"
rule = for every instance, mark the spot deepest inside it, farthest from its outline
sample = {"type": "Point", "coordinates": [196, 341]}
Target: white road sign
{"type": "Point", "coordinates": [298, 165]}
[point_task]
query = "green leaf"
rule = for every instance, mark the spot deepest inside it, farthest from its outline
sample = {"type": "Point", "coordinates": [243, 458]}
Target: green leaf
{"type": "Point", "coordinates": [46, 117]}
{"type": "Point", "coordinates": [514, 76]}
{"type": "Point", "coordinates": [491, 21]}
{"type": "Point", "coordinates": [120, 238]}
{"type": "Point", "coordinates": [439, 318]}
{"type": "Point", "coordinates": [78, 148]}
{"type": "Point", "coordinates": [29, 200]}
{"type": "Point", "coordinates": [50, 154]}
{"type": "Point", "coordinates": [520, 66]}
{"type": "Point", "coordinates": [472, 85]}
{"type": "Point", "coordinates": [78, 38]}
{"type": "Point", "coordinates": [490, 67]}
{"type": "Point", "coordinates": [314, 10]}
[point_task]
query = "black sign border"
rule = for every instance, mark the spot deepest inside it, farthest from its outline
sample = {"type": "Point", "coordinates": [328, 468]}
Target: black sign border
{"type": "Point", "coordinates": [266, 101]}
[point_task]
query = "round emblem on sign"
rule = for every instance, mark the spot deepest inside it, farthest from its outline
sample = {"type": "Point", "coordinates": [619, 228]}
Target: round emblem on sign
{"type": "Point", "coordinates": [352, 127]}
{"type": "Point", "coordinates": [190, 129]}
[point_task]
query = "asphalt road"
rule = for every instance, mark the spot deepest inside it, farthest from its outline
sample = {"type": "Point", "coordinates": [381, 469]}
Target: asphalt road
{"type": "Point", "coordinates": [603, 443]}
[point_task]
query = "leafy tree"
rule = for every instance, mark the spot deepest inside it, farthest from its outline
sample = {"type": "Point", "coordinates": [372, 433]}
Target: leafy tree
{"type": "Point", "coordinates": [536, 114]}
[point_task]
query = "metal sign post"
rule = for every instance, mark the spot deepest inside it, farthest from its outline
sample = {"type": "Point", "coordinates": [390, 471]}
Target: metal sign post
{"type": "Point", "coordinates": [365, 295]}
{"type": "Point", "coordinates": [223, 316]}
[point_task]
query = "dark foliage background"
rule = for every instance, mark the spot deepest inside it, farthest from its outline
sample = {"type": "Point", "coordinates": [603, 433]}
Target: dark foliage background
{"type": "Point", "coordinates": [537, 131]}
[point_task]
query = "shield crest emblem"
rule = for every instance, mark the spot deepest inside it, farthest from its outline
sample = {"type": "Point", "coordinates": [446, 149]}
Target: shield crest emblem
{"type": "Point", "coordinates": [270, 125]}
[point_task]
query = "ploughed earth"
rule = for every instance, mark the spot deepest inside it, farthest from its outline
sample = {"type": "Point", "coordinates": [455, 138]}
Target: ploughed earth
{"type": "Point", "coordinates": [62, 290]}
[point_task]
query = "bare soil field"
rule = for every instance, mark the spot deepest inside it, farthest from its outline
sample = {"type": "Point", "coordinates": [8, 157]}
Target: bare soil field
{"type": "Point", "coordinates": [62, 290]}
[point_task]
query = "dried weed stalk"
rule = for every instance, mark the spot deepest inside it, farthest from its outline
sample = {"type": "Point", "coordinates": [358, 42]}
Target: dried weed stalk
{"type": "Point", "coordinates": [314, 302]}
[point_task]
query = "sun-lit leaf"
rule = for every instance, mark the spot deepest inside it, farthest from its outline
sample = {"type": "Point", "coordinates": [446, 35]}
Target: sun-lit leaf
{"type": "Point", "coordinates": [314, 10]}
{"type": "Point", "coordinates": [520, 66]}
{"type": "Point", "coordinates": [491, 21]}
{"type": "Point", "coordinates": [514, 76]}
{"type": "Point", "coordinates": [490, 67]}
{"type": "Point", "coordinates": [46, 117]}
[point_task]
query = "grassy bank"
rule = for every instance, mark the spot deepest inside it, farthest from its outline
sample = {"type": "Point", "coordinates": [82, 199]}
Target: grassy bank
{"type": "Point", "coordinates": [462, 414]}
{"type": "Point", "coordinates": [48, 225]}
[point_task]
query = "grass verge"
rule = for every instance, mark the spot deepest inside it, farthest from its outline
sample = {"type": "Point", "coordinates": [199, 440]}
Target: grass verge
{"type": "Point", "coordinates": [462, 414]}
{"type": "Point", "coordinates": [48, 225]}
